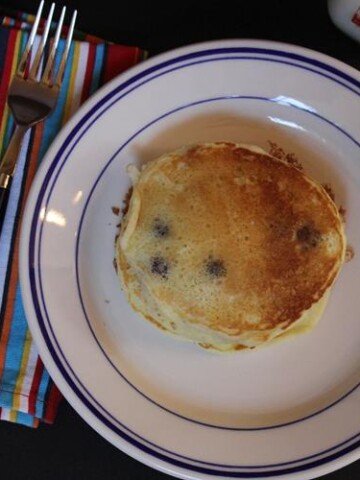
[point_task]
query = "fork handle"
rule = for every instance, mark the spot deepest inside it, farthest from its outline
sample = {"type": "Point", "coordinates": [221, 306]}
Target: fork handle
{"type": "Point", "coordinates": [7, 168]}
{"type": "Point", "coordinates": [8, 162]}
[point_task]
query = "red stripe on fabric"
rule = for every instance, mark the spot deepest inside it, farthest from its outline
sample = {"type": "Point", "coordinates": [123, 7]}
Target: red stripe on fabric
{"type": "Point", "coordinates": [5, 77]}
{"type": "Point", "coordinates": [18, 23]}
{"type": "Point", "coordinates": [39, 368]}
{"type": "Point", "coordinates": [137, 55]}
{"type": "Point", "coordinates": [52, 404]}
{"type": "Point", "coordinates": [88, 72]}
{"type": "Point", "coordinates": [118, 59]}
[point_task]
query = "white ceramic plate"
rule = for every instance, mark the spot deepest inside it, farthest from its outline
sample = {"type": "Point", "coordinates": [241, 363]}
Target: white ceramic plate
{"type": "Point", "coordinates": [292, 410]}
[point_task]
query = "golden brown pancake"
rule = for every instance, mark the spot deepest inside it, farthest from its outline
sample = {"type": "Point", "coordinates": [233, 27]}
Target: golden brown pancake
{"type": "Point", "coordinates": [227, 246]}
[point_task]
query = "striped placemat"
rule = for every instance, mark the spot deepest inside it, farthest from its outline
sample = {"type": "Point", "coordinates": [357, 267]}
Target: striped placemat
{"type": "Point", "coordinates": [27, 394]}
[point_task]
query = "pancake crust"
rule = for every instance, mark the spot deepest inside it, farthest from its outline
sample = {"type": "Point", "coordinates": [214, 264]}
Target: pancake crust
{"type": "Point", "coordinates": [227, 246]}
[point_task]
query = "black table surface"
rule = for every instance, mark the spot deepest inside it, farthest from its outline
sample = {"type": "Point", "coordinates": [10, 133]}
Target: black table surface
{"type": "Point", "coordinates": [70, 449]}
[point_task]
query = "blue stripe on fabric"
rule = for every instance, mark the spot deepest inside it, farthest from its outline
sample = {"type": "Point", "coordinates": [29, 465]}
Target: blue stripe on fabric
{"type": "Point", "coordinates": [98, 64]}
{"type": "Point", "coordinates": [25, 419]}
{"type": "Point", "coordinates": [14, 352]}
{"type": "Point", "coordinates": [39, 408]}
{"type": "Point", "coordinates": [8, 131]}
{"type": "Point", "coordinates": [6, 397]}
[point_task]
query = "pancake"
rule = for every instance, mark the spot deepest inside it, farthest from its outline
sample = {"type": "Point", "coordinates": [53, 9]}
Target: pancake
{"type": "Point", "coordinates": [229, 247]}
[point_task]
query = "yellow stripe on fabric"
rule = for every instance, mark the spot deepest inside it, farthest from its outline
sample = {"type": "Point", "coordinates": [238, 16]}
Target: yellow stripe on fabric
{"type": "Point", "coordinates": [71, 91]}
{"type": "Point", "coordinates": [12, 416]}
{"type": "Point", "coordinates": [80, 76]}
{"type": "Point", "coordinates": [13, 70]}
{"type": "Point", "coordinates": [23, 371]}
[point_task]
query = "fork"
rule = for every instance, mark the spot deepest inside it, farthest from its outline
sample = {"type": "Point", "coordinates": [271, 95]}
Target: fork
{"type": "Point", "coordinates": [33, 94]}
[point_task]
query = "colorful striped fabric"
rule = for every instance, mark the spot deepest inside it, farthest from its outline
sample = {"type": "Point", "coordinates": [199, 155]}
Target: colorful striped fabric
{"type": "Point", "coordinates": [27, 393]}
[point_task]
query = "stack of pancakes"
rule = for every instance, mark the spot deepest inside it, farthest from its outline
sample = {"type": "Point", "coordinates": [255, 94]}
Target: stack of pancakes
{"type": "Point", "coordinates": [229, 247]}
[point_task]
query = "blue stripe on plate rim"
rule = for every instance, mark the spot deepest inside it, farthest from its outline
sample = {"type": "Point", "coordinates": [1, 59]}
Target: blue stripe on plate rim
{"type": "Point", "coordinates": [52, 344]}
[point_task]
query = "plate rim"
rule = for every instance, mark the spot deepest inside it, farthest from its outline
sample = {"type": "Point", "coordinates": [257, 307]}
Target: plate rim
{"type": "Point", "coordinates": [46, 163]}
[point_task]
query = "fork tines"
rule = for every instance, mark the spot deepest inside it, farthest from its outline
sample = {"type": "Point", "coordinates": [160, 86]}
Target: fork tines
{"type": "Point", "coordinates": [48, 76]}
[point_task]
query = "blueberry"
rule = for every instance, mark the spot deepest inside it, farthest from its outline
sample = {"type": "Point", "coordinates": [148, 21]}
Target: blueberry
{"type": "Point", "coordinates": [160, 228]}
{"type": "Point", "coordinates": [215, 268]}
{"type": "Point", "coordinates": [159, 266]}
{"type": "Point", "coordinates": [308, 236]}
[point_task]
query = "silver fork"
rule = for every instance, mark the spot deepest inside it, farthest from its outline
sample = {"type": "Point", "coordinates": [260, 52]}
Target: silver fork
{"type": "Point", "coordinates": [31, 96]}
